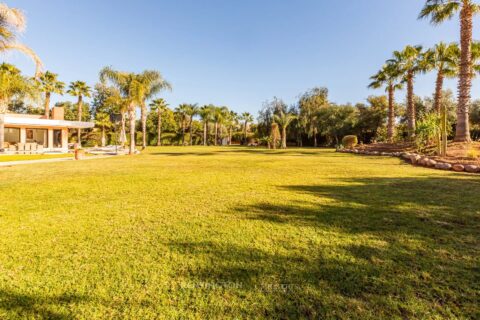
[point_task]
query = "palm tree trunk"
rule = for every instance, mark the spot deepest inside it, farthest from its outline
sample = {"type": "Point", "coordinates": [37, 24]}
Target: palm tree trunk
{"type": "Point", "coordinates": [159, 138]}
{"type": "Point", "coordinates": [245, 133]}
{"type": "Point", "coordinates": [284, 137]}
{"type": "Point", "coordinates": [205, 129]}
{"type": "Point", "coordinates": [123, 134]}
{"type": "Point", "coordinates": [462, 132]}
{"type": "Point", "coordinates": [143, 116]}
{"type": "Point", "coordinates": [391, 114]}
{"type": "Point", "coordinates": [47, 105]}
{"type": "Point", "coordinates": [183, 132]}
{"type": "Point", "coordinates": [410, 105]}
{"type": "Point", "coordinates": [190, 129]}
{"type": "Point", "coordinates": [315, 137]}
{"type": "Point", "coordinates": [230, 136]}
{"type": "Point", "coordinates": [131, 114]}
{"type": "Point", "coordinates": [444, 137]}
{"type": "Point", "coordinates": [79, 131]}
{"type": "Point", "coordinates": [216, 133]}
{"type": "Point", "coordinates": [438, 92]}
{"type": "Point", "coordinates": [103, 136]}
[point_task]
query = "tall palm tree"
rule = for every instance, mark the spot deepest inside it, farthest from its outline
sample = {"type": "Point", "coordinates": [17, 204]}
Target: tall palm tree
{"type": "Point", "coordinates": [284, 119]}
{"type": "Point", "coordinates": [132, 91]}
{"type": "Point", "coordinates": [12, 85]}
{"type": "Point", "coordinates": [48, 83]}
{"type": "Point", "coordinates": [247, 118]}
{"type": "Point", "coordinates": [160, 106]}
{"type": "Point", "coordinates": [206, 115]}
{"type": "Point", "coordinates": [410, 62]}
{"type": "Point", "coordinates": [151, 83]}
{"type": "Point", "coordinates": [191, 111]}
{"type": "Point", "coordinates": [182, 111]}
{"type": "Point", "coordinates": [389, 76]}
{"type": "Point", "coordinates": [444, 59]}
{"type": "Point", "coordinates": [80, 90]}
{"type": "Point", "coordinates": [232, 122]}
{"type": "Point", "coordinates": [12, 24]}
{"type": "Point", "coordinates": [439, 11]}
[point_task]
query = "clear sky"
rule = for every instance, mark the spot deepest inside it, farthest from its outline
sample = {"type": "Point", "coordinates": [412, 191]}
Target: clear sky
{"type": "Point", "coordinates": [233, 53]}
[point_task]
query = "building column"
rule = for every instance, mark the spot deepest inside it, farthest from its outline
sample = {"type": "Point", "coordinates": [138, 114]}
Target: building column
{"type": "Point", "coordinates": [23, 135]}
{"type": "Point", "coordinates": [65, 139]}
{"type": "Point", "coordinates": [50, 139]}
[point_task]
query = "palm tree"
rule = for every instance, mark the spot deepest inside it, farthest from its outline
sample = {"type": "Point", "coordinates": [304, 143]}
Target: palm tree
{"type": "Point", "coordinates": [439, 11]}
{"type": "Point", "coordinates": [191, 111]}
{"type": "Point", "coordinates": [160, 106]}
{"type": "Point", "coordinates": [132, 92]}
{"type": "Point", "coordinates": [206, 115]}
{"type": "Point", "coordinates": [80, 90]}
{"type": "Point", "coordinates": [283, 120]}
{"type": "Point", "coordinates": [12, 24]}
{"type": "Point", "coordinates": [247, 118]}
{"type": "Point", "coordinates": [12, 85]}
{"type": "Point", "coordinates": [182, 111]}
{"type": "Point", "coordinates": [410, 62]}
{"type": "Point", "coordinates": [48, 83]}
{"type": "Point", "coordinates": [120, 105]}
{"type": "Point", "coordinates": [151, 83]}
{"type": "Point", "coordinates": [217, 116]}
{"type": "Point", "coordinates": [232, 122]}
{"type": "Point", "coordinates": [103, 121]}
{"type": "Point", "coordinates": [388, 76]}
{"type": "Point", "coordinates": [444, 59]}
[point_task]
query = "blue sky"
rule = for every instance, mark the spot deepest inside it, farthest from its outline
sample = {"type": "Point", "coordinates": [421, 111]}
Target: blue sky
{"type": "Point", "coordinates": [233, 53]}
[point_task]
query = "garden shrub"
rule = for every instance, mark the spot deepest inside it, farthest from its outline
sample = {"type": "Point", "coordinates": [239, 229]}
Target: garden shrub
{"type": "Point", "coordinates": [349, 141]}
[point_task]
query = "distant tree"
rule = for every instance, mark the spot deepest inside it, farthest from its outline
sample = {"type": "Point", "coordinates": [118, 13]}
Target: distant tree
{"type": "Point", "coordinates": [247, 118]}
{"type": "Point", "coordinates": [80, 90]}
{"type": "Point", "coordinates": [182, 112]}
{"type": "Point", "coordinates": [283, 120]}
{"type": "Point", "coordinates": [48, 83]}
{"type": "Point", "coordinates": [206, 114]}
{"type": "Point", "coordinates": [310, 104]}
{"type": "Point", "coordinates": [102, 120]}
{"type": "Point", "coordinates": [191, 111]}
{"type": "Point", "coordinates": [439, 11]}
{"type": "Point", "coordinates": [160, 107]}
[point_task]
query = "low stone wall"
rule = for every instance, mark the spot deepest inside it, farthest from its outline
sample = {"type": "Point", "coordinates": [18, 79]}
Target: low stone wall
{"type": "Point", "coordinates": [418, 160]}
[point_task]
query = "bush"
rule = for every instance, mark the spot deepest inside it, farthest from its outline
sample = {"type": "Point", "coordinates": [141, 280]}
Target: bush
{"type": "Point", "coordinates": [349, 141]}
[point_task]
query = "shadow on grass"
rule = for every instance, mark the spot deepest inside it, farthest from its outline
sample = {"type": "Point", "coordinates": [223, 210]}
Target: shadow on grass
{"type": "Point", "coordinates": [254, 151]}
{"type": "Point", "coordinates": [37, 307]}
{"type": "Point", "coordinates": [402, 247]}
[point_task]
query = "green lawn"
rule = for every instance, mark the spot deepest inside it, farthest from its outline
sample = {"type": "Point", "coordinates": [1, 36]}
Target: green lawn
{"type": "Point", "coordinates": [22, 157]}
{"type": "Point", "coordinates": [238, 233]}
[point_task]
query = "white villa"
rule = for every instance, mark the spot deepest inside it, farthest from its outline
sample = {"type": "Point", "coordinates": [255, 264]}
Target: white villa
{"type": "Point", "coordinates": [26, 133]}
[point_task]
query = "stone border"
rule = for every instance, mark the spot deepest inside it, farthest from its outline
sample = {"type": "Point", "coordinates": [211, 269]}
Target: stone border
{"type": "Point", "coordinates": [419, 160]}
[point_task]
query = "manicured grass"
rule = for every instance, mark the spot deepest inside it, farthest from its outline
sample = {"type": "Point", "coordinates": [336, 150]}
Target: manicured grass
{"type": "Point", "coordinates": [238, 233]}
{"type": "Point", "coordinates": [22, 157]}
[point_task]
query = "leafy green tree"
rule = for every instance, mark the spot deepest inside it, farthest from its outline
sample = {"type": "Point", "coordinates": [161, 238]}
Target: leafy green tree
{"type": "Point", "coordinates": [102, 120]}
{"type": "Point", "coordinates": [439, 11]}
{"type": "Point", "coordinates": [12, 85]}
{"type": "Point", "coordinates": [310, 104]}
{"type": "Point", "coordinates": [80, 90]}
{"type": "Point", "coordinates": [48, 83]}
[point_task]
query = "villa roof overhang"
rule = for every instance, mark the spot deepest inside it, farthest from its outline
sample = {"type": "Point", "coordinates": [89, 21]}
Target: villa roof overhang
{"type": "Point", "coordinates": [45, 123]}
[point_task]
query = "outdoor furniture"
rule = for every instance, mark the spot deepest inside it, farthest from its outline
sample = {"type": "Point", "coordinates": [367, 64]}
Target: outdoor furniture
{"type": "Point", "coordinates": [20, 147]}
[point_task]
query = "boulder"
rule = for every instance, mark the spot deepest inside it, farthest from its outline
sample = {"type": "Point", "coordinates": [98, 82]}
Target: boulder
{"type": "Point", "coordinates": [458, 167]}
{"type": "Point", "coordinates": [406, 156]}
{"type": "Point", "coordinates": [414, 158]}
{"type": "Point", "coordinates": [472, 168]}
{"type": "Point", "coordinates": [431, 163]}
{"type": "Point", "coordinates": [423, 161]}
{"type": "Point", "coordinates": [443, 166]}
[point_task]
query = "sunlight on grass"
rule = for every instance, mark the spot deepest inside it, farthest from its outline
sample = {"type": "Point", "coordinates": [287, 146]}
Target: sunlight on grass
{"type": "Point", "coordinates": [238, 233]}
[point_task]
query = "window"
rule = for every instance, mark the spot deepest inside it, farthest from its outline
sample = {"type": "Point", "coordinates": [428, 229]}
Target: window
{"type": "Point", "coordinates": [12, 135]}
{"type": "Point", "coordinates": [38, 136]}
{"type": "Point", "coordinates": [57, 138]}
